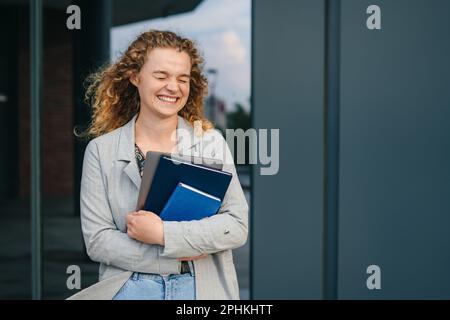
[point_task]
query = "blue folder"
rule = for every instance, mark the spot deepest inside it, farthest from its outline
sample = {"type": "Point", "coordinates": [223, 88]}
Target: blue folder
{"type": "Point", "coordinates": [187, 203]}
{"type": "Point", "coordinates": [170, 172]}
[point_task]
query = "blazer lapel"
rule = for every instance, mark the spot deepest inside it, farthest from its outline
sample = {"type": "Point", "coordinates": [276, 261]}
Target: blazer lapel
{"type": "Point", "coordinates": [126, 153]}
{"type": "Point", "coordinates": [188, 143]}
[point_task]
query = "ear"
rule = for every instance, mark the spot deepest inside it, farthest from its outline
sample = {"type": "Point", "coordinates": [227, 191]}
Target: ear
{"type": "Point", "coordinates": [134, 79]}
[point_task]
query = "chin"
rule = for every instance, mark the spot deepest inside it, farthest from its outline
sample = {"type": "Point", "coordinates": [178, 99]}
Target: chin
{"type": "Point", "coordinates": [166, 113]}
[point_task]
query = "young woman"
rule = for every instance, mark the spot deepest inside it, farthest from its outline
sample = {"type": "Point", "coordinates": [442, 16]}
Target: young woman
{"type": "Point", "coordinates": [145, 101]}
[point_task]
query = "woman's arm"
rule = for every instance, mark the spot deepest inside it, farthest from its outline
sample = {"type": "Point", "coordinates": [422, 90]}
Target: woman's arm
{"type": "Point", "coordinates": [226, 230]}
{"type": "Point", "coordinates": [104, 242]}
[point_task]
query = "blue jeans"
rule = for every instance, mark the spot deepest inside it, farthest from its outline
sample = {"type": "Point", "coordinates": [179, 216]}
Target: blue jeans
{"type": "Point", "coordinates": [149, 286]}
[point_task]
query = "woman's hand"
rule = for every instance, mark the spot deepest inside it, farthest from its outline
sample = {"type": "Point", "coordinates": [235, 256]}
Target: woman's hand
{"type": "Point", "coordinates": [145, 226]}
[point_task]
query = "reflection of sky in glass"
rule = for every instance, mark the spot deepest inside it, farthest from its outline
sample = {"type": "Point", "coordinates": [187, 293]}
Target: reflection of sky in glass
{"type": "Point", "coordinates": [222, 30]}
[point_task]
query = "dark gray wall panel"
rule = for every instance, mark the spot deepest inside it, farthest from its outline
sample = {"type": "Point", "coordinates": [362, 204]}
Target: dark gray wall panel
{"type": "Point", "coordinates": [395, 150]}
{"type": "Point", "coordinates": [287, 224]}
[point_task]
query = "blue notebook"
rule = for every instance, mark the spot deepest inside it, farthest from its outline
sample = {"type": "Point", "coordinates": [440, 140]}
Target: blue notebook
{"type": "Point", "coordinates": [187, 203]}
{"type": "Point", "coordinates": [170, 172]}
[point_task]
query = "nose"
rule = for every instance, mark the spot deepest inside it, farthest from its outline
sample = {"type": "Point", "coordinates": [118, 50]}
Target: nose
{"type": "Point", "coordinates": [172, 86]}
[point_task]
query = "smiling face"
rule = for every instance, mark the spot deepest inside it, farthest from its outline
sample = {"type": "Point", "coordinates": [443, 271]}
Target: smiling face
{"type": "Point", "coordinates": [163, 82]}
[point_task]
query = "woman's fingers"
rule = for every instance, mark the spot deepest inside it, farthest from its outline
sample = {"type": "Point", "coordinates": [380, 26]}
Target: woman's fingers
{"type": "Point", "coordinates": [144, 212]}
{"type": "Point", "coordinates": [130, 216]}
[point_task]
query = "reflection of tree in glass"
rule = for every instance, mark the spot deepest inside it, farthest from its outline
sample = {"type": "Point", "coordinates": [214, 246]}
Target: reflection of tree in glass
{"type": "Point", "coordinates": [239, 119]}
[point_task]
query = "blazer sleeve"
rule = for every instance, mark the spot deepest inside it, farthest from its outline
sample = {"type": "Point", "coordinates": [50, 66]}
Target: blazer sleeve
{"type": "Point", "coordinates": [226, 230]}
{"type": "Point", "coordinates": [104, 242]}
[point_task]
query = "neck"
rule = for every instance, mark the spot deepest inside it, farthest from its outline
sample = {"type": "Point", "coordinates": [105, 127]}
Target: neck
{"type": "Point", "coordinates": [152, 129]}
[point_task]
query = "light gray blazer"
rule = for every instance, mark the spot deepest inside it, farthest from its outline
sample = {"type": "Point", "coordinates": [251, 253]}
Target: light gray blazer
{"type": "Point", "coordinates": [109, 190]}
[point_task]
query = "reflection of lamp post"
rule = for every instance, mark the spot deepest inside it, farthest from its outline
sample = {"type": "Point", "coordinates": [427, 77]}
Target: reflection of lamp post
{"type": "Point", "coordinates": [212, 79]}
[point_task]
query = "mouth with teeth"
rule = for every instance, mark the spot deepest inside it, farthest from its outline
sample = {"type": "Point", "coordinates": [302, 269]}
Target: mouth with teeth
{"type": "Point", "coordinates": [168, 99]}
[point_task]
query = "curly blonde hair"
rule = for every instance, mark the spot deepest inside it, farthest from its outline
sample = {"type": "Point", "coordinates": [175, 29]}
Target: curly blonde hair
{"type": "Point", "coordinates": [115, 100]}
